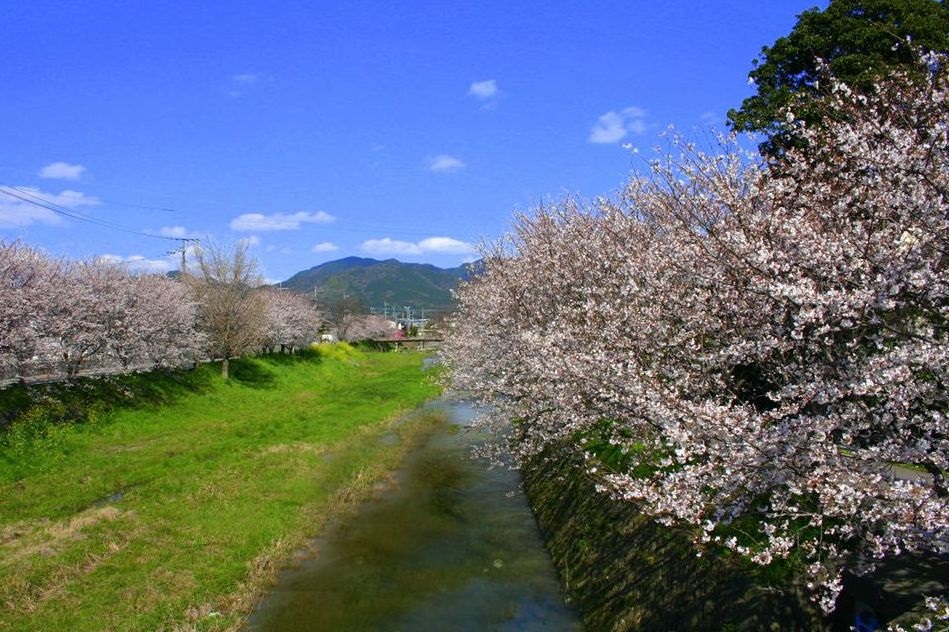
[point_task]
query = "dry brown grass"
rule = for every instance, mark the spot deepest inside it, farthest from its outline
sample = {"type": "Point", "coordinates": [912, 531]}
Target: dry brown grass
{"type": "Point", "coordinates": [22, 540]}
{"type": "Point", "coordinates": [290, 448]}
{"type": "Point", "coordinates": [51, 540]}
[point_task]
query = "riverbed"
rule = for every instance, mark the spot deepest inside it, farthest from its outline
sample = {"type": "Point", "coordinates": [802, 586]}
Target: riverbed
{"type": "Point", "coordinates": [451, 544]}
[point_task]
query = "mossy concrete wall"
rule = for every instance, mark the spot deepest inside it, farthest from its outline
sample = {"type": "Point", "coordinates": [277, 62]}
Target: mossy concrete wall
{"type": "Point", "coordinates": [623, 571]}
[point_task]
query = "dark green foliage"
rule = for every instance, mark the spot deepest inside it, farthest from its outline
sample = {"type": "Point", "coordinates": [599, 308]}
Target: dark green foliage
{"type": "Point", "coordinates": [859, 39]}
{"type": "Point", "coordinates": [639, 459]}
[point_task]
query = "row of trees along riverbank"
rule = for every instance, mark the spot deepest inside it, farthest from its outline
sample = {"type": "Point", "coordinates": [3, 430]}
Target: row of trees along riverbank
{"type": "Point", "coordinates": [60, 318]}
{"type": "Point", "coordinates": [760, 340]}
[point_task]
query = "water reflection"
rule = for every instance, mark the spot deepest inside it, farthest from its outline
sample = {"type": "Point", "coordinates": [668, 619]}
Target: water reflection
{"type": "Point", "coordinates": [453, 547]}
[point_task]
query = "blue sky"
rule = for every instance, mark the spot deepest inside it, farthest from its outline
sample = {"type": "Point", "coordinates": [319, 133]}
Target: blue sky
{"type": "Point", "coordinates": [318, 130]}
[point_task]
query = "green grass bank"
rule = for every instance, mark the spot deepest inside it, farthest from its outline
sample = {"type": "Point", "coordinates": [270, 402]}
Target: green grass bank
{"type": "Point", "coordinates": [176, 499]}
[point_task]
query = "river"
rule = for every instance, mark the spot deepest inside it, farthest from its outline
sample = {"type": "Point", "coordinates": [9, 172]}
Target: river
{"type": "Point", "coordinates": [451, 546]}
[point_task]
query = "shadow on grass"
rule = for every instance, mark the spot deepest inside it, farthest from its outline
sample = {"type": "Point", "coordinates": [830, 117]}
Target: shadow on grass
{"type": "Point", "coordinates": [254, 372]}
{"type": "Point", "coordinates": [84, 399]}
{"type": "Point", "coordinates": [284, 359]}
{"type": "Point", "coordinates": [74, 399]}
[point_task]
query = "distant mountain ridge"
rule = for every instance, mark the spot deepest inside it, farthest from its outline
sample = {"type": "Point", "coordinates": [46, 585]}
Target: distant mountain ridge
{"type": "Point", "coordinates": [377, 283]}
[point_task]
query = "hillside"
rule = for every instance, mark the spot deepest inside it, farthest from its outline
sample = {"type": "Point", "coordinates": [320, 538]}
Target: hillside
{"type": "Point", "coordinates": [392, 282]}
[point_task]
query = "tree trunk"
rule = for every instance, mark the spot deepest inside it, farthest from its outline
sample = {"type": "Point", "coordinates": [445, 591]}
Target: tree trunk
{"type": "Point", "coordinates": [224, 369]}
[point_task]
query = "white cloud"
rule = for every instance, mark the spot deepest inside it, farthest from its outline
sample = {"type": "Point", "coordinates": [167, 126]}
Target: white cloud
{"type": "Point", "coordinates": [243, 82]}
{"type": "Point", "coordinates": [178, 232]}
{"type": "Point", "coordinates": [446, 246]}
{"type": "Point", "coordinates": [484, 90]}
{"type": "Point", "coordinates": [326, 246]}
{"type": "Point", "coordinates": [250, 242]}
{"type": "Point", "coordinates": [614, 126]}
{"type": "Point", "coordinates": [284, 251]}
{"type": "Point", "coordinates": [246, 79]}
{"type": "Point", "coordinates": [430, 245]}
{"type": "Point", "coordinates": [21, 212]}
{"type": "Point", "coordinates": [14, 213]}
{"type": "Point", "coordinates": [444, 163]}
{"type": "Point", "coordinates": [387, 246]}
{"type": "Point", "coordinates": [278, 221]}
{"type": "Point", "coordinates": [68, 199]}
{"type": "Point", "coordinates": [138, 263]}
{"type": "Point", "coordinates": [62, 171]}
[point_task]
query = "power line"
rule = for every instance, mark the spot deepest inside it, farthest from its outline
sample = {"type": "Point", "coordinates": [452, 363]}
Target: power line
{"type": "Point", "coordinates": [143, 206]}
{"type": "Point", "coordinates": [35, 200]}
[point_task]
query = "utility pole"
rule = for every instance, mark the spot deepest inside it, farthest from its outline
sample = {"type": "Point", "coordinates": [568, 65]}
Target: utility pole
{"type": "Point", "coordinates": [182, 249]}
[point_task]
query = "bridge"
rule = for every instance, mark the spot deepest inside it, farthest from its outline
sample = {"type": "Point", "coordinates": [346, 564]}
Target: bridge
{"type": "Point", "coordinates": [416, 342]}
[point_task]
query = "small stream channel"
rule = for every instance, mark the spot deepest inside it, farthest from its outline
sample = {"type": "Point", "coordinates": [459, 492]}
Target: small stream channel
{"type": "Point", "coordinates": [452, 546]}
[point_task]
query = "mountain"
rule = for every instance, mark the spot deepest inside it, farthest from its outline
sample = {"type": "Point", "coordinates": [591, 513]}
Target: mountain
{"type": "Point", "coordinates": [378, 283]}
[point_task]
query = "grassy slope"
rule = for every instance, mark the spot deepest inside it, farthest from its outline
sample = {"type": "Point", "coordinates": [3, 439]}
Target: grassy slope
{"type": "Point", "coordinates": [218, 486]}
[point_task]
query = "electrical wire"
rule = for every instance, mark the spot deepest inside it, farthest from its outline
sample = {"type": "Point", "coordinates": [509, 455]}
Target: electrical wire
{"type": "Point", "coordinates": [42, 202]}
{"type": "Point", "coordinates": [35, 200]}
{"type": "Point", "coordinates": [142, 206]}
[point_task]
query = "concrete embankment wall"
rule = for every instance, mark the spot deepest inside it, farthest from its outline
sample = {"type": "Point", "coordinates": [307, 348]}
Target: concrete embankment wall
{"type": "Point", "coordinates": [623, 571]}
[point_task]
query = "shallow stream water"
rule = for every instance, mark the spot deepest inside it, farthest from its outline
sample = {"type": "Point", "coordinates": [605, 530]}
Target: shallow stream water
{"type": "Point", "coordinates": [452, 546]}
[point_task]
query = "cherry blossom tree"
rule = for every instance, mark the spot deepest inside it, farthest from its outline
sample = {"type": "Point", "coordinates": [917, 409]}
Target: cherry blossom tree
{"type": "Point", "coordinates": [153, 323]}
{"type": "Point", "coordinates": [293, 321]}
{"type": "Point", "coordinates": [121, 321]}
{"type": "Point", "coordinates": [765, 342]}
{"type": "Point", "coordinates": [366, 326]}
{"type": "Point", "coordinates": [28, 280]}
{"type": "Point", "coordinates": [87, 309]}
{"type": "Point", "coordinates": [60, 318]}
